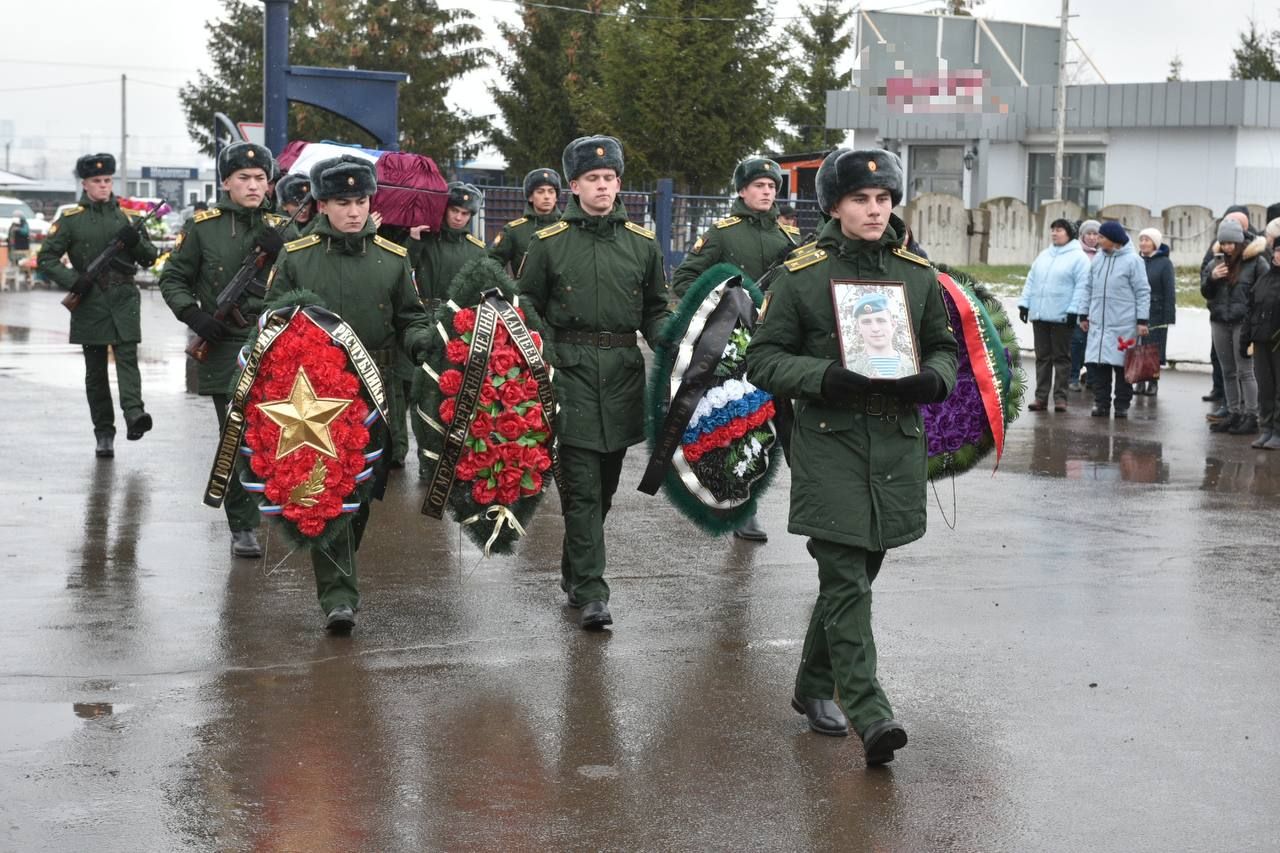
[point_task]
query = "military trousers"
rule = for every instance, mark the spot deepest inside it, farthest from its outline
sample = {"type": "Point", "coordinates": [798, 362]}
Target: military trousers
{"type": "Point", "coordinates": [839, 656]}
{"type": "Point", "coordinates": [240, 506]}
{"type": "Point", "coordinates": [590, 479]}
{"type": "Point", "coordinates": [335, 565]}
{"type": "Point", "coordinates": [397, 409]}
{"type": "Point", "coordinates": [97, 387]}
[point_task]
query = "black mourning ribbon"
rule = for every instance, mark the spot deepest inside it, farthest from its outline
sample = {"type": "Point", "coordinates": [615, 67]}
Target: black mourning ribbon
{"type": "Point", "coordinates": [735, 307]}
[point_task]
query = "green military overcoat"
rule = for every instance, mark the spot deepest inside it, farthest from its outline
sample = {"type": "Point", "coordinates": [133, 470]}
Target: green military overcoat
{"type": "Point", "coordinates": [209, 251]}
{"type": "Point", "coordinates": [597, 274]}
{"type": "Point", "coordinates": [439, 255]}
{"type": "Point", "coordinates": [749, 239]}
{"type": "Point", "coordinates": [110, 313]}
{"type": "Point", "coordinates": [856, 479]}
{"type": "Point", "coordinates": [363, 278]}
{"type": "Point", "coordinates": [510, 247]}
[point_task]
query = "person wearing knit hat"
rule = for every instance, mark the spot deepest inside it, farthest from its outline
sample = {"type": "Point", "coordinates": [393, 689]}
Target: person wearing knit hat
{"type": "Point", "coordinates": [1088, 235]}
{"type": "Point", "coordinates": [1238, 260]}
{"type": "Point", "coordinates": [597, 279]}
{"type": "Point", "coordinates": [1113, 306]}
{"type": "Point", "coordinates": [858, 448]}
{"type": "Point", "coordinates": [1046, 301]}
{"type": "Point", "coordinates": [542, 195]}
{"type": "Point", "coordinates": [1164, 295]}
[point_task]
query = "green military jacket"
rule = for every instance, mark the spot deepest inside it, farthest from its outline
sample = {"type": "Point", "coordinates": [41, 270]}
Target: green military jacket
{"type": "Point", "coordinates": [439, 255]}
{"type": "Point", "coordinates": [363, 278]}
{"type": "Point", "coordinates": [749, 239]}
{"type": "Point", "coordinates": [510, 247]}
{"type": "Point", "coordinates": [856, 479]}
{"type": "Point", "coordinates": [209, 250]}
{"type": "Point", "coordinates": [110, 312]}
{"type": "Point", "coordinates": [597, 274]}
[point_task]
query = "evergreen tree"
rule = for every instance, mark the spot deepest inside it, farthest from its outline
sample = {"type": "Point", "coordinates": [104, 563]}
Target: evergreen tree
{"type": "Point", "coordinates": [687, 96]}
{"type": "Point", "coordinates": [552, 61]}
{"type": "Point", "coordinates": [1255, 58]}
{"type": "Point", "coordinates": [434, 46]}
{"type": "Point", "coordinates": [820, 40]}
{"type": "Point", "coordinates": [1175, 69]}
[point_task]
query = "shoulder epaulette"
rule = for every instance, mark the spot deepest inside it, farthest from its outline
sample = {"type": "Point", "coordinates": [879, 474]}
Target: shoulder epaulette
{"type": "Point", "coordinates": [790, 229]}
{"type": "Point", "coordinates": [211, 213]}
{"type": "Point", "coordinates": [641, 230]}
{"type": "Point", "coordinates": [72, 211]}
{"type": "Point", "coordinates": [908, 256]}
{"type": "Point", "coordinates": [808, 259]}
{"type": "Point", "coordinates": [379, 240]}
{"type": "Point", "coordinates": [475, 241]}
{"type": "Point", "coordinates": [727, 221]}
{"type": "Point", "coordinates": [274, 219]}
{"type": "Point", "coordinates": [803, 250]}
{"type": "Point", "coordinates": [304, 242]}
{"type": "Point", "coordinates": [515, 222]}
{"type": "Point", "coordinates": [552, 230]}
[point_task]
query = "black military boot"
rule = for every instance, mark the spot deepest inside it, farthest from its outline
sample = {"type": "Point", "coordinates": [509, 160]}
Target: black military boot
{"type": "Point", "coordinates": [104, 450]}
{"type": "Point", "coordinates": [340, 620]}
{"type": "Point", "coordinates": [825, 716]}
{"type": "Point", "coordinates": [138, 426]}
{"type": "Point", "coordinates": [244, 543]}
{"type": "Point", "coordinates": [881, 739]}
{"type": "Point", "coordinates": [752, 531]}
{"type": "Point", "coordinates": [1225, 425]}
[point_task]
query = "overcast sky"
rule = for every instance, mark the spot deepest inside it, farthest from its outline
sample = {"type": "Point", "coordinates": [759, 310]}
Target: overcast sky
{"type": "Point", "coordinates": [61, 89]}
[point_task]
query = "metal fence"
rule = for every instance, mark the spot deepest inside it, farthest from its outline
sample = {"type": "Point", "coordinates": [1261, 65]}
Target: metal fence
{"type": "Point", "coordinates": [677, 220]}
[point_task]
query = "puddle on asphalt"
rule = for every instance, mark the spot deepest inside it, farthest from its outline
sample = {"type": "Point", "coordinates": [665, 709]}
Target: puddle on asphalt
{"type": "Point", "coordinates": [1104, 457]}
{"type": "Point", "coordinates": [29, 725]}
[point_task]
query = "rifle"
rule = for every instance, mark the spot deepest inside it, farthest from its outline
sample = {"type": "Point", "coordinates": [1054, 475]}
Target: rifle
{"type": "Point", "coordinates": [99, 264]}
{"type": "Point", "coordinates": [228, 304]}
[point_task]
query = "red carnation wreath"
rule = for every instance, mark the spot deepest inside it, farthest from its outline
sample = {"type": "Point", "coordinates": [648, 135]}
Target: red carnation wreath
{"type": "Point", "coordinates": [308, 487]}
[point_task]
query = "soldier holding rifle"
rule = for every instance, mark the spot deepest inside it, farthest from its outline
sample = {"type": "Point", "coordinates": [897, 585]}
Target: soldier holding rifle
{"type": "Point", "coordinates": [104, 300]}
{"type": "Point", "coordinates": [208, 255]}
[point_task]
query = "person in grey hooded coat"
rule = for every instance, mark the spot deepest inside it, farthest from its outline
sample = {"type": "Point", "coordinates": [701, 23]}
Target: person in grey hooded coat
{"type": "Point", "coordinates": [1113, 306]}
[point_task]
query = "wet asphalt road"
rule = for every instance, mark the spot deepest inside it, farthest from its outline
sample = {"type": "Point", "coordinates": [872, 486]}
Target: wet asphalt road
{"type": "Point", "coordinates": [1088, 661]}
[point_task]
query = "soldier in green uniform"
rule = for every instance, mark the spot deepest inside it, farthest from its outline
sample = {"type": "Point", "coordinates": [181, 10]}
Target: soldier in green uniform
{"type": "Point", "coordinates": [750, 238]}
{"type": "Point", "coordinates": [542, 194]}
{"type": "Point", "coordinates": [437, 256]}
{"type": "Point", "coordinates": [292, 196]}
{"type": "Point", "coordinates": [207, 255]}
{"type": "Point", "coordinates": [858, 454]}
{"type": "Point", "coordinates": [109, 311]}
{"type": "Point", "coordinates": [596, 278]}
{"type": "Point", "coordinates": [366, 279]}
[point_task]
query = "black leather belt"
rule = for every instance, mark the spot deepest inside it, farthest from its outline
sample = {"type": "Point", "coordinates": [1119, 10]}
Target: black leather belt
{"type": "Point", "coordinates": [879, 405]}
{"type": "Point", "coordinates": [600, 340]}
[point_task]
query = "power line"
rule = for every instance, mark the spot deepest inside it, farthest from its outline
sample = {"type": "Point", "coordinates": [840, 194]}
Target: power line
{"type": "Point", "coordinates": [96, 65]}
{"type": "Point", "coordinates": [58, 86]}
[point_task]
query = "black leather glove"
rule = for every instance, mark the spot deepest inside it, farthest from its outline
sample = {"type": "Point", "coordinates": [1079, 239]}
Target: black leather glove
{"type": "Point", "coordinates": [925, 387]}
{"type": "Point", "coordinates": [1072, 319]}
{"type": "Point", "coordinates": [270, 242]}
{"type": "Point", "coordinates": [841, 386]}
{"type": "Point", "coordinates": [204, 324]}
{"type": "Point", "coordinates": [1022, 313]}
{"type": "Point", "coordinates": [128, 235]}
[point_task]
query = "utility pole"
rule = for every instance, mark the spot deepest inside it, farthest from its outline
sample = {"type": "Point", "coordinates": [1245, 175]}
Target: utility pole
{"type": "Point", "coordinates": [1059, 158]}
{"type": "Point", "coordinates": [124, 137]}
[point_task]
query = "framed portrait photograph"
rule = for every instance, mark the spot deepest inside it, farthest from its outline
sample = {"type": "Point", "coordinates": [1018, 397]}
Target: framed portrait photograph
{"type": "Point", "coordinates": [873, 323]}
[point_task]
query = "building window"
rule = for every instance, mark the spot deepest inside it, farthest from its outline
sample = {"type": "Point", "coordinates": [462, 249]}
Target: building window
{"type": "Point", "coordinates": [936, 169]}
{"type": "Point", "coordinates": [138, 189]}
{"type": "Point", "coordinates": [1083, 176]}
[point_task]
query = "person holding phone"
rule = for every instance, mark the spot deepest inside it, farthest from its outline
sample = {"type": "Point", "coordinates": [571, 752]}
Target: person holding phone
{"type": "Point", "coordinates": [1225, 282]}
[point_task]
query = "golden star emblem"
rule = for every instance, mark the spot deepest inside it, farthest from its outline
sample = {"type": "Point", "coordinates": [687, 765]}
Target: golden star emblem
{"type": "Point", "coordinates": [304, 418]}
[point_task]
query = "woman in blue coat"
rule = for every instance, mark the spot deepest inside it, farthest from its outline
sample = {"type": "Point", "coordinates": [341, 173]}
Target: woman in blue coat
{"type": "Point", "coordinates": [1113, 306]}
{"type": "Point", "coordinates": [1046, 301]}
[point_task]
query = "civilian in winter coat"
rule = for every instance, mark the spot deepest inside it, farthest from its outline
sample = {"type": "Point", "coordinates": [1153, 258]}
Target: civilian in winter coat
{"type": "Point", "coordinates": [1056, 275]}
{"type": "Point", "coordinates": [1089, 244]}
{"type": "Point", "coordinates": [1164, 296]}
{"type": "Point", "coordinates": [1235, 263]}
{"type": "Point", "coordinates": [1240, 214]}
{"type": "Point", "coordinates": [1261, 329]}
{"type": "Point", "coordinates": [19, 239]}
{"type": "Point", "coordinates": [1113, 306]}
